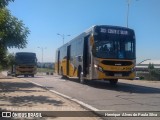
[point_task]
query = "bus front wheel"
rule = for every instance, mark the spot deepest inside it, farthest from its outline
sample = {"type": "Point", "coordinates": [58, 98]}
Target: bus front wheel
{"type": "Point", "coordinates": [80, 76]}
{"type": "Point", "coordinates": [25, 75]}
{"type": "Point", "coordinates": [81, 79]}
{"type": "Point", "coordinates": [113, 82]}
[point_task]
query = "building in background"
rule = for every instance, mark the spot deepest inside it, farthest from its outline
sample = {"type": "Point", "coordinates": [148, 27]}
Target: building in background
{"type": "Point", "coordinates": [45, 65]}
{"type": "Point", "coordinates": [143, 66]}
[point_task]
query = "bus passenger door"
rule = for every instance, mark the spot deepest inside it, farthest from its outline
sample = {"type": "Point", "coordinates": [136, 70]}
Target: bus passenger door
{"type": "Point", "coordinates": [68, 59]}
{"type": "Point", "coordinates": [86, 54]}
{"type": "Point", "coordinates": [58, 62]}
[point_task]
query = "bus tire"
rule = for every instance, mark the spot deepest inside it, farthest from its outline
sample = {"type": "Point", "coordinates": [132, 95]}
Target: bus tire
{"type": "Point", "coordinates": [82, 80]}
{"type": "Point", "coordinates": [62, 76]}
{"type": "Point", "coordinates": [25, 75]}
{"type": "Point", "coordinates": [61, 71]}
{"type": "Point", "coordinates": [79, 72]}
{"type": "Point", "coordinates": [80, 75]}
{"type": "Point", "coordinates": [113, 82]}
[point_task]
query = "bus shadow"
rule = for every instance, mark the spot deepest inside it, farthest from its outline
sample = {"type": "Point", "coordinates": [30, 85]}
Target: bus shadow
{"type": "Point", "coordinates": [31, 77]}
{"type": "Point", "coordinates": [120, 87]}
{"type": "Point", "coordinates": [71, 79]}
{"type": "Point", "coordinates": [123, 87]}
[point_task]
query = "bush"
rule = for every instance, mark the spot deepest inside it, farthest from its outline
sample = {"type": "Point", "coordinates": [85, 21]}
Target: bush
{"type": "Point", "coordinates": [141, 78]}
{"type": "Point", "coordinates": [151, 75]}
{"type": "Point", "coordinates": [155, 73]}
{"type": "Point", "coordinates": [0, 68]}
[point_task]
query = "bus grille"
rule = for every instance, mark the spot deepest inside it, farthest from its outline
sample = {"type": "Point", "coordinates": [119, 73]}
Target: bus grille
{"type": "Point", "coordinates": [23, 67]}
{"type": "Point", "coordinates": [109, 73]}
{"type": "Point", "coordinates": [116, 63]}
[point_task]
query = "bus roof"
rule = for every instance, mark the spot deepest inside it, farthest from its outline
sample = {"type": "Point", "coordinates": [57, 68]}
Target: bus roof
{"type": "Point", "coordinates": [26, 53]}
{"type": "Point", "coordinates": [109, 26]}
{"type": "Point", "coordinates": [91, 29]}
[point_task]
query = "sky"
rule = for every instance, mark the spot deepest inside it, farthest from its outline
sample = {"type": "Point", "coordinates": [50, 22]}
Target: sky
{"type": "Point", "coordinates": [46, 18]}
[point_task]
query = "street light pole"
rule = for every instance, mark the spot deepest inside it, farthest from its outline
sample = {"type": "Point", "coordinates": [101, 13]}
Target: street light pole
{"type": "Point", "coordinates": [42, 56]}
{"type": "Point", "coordinates": [63, 36]}
{"type": "Point", "coordinates": [128, 5]}
{"type": "Point", "coordinates": [143, 61]}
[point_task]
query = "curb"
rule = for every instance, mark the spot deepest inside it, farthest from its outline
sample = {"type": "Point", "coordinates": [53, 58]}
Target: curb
{"type": "Point", "coordinates": [84, 105]}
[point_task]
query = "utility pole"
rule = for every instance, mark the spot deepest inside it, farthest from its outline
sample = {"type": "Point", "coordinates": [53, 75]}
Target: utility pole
{"type": "Point", "coordinates": [42, 49]}
{"type": "Point", "coordinates": [128, 9]}
{"type": "Point", "coordinates": [128, 5]}
{"type": "Point", "coordinates": [63, 36]}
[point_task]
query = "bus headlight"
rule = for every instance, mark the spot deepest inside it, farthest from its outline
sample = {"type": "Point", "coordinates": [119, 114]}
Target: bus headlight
{"type": "Point", "coordinates": [96, 66]}
{"type": "Point", "coordinates": [133, 69]}
{"type": "Point", "coordinates": [100, 69]}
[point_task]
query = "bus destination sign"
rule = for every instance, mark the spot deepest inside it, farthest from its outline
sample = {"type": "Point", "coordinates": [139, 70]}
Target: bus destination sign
{"type": "Point", "coordinates": [114, 31]}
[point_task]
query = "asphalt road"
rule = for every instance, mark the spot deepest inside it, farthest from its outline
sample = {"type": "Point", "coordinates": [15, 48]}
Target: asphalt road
{"type": "Point", "coordinates": [126, 96]}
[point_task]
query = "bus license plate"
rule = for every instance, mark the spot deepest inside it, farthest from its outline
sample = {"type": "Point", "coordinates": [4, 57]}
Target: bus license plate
{"type": "Point", "coordinates": [118, 75]}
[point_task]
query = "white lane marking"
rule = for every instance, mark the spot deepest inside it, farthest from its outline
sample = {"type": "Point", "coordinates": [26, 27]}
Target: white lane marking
{"type": "Point", "coordinates": [34, 83]}
{"type": "Point", "coordinates": [70, 98]}
{"type": "Point", "coordinates": [77, 101]}
{"type": "Point", "coordinates": [60, 94]}
{"type": "Point", "coordinates": [86, 105]}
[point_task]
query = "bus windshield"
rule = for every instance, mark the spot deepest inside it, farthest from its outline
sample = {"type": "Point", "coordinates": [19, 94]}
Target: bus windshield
{"type": "Point", "coordinates": [114, 47]}
{"type": "Point", "coordinates": [23, 59]}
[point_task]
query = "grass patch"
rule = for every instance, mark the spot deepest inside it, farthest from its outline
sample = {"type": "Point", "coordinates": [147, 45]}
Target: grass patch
{"type": "Point", "coordinates": [44, 70]}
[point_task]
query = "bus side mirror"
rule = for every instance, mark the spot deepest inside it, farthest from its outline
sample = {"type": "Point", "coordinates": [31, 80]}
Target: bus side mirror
{"type": "Point", "coordinates": [79, 58]}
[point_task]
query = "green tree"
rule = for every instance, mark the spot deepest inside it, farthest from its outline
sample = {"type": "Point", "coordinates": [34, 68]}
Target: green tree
{"type": "Point", "coordinates": [150, 66]}
{"type": "Point", "coordinates": [10, 59]}
{"type": "Point", "coordinates": [13, 32]}
{"type": "Point", "coordinates": [153, 72]}
{"type": "Point", "coordinates": [3, 61]}
{"type": "Point", "coordinates": [4, 3]}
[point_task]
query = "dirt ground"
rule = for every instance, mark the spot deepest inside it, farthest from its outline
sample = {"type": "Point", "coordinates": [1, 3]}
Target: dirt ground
{"type": "Point", "coordinates": [19, 95]}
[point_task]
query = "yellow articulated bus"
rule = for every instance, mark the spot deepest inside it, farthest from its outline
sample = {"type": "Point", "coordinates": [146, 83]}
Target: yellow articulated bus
{"type": "Point", "coordinates": [102, 52]}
